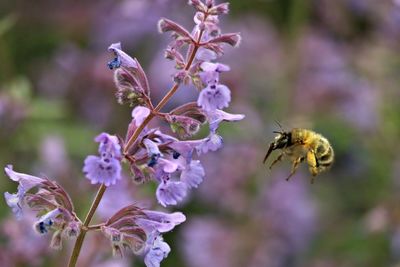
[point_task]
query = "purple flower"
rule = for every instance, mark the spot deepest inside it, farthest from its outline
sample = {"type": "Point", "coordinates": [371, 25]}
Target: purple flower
{"type": "Point", "coordinates": [193, 174]}
{"type": "Point", "coordinates": [26, 182]}
{"type": "Point", "coordinates": [170, 192]}
{"type": "Point", "coordinates": [15, 202]}
{"type": "Point", "coordinates": [46, 222]}
{"type": "Point", "coordinates": [160, 221]}
{"type": "Point", "coordinates": [108, 144]}
{"type": "Point", "coordinates": [102, 170]}
{"type": "Point", "coordinates": [121, 59]}
{"type": "Point", "coordinates": [105, 169]}
{"type": "Point", "coordinates": [152, 151]}
{"type": "Point", "coordinates": [168, 166]}
{"type": "Point", "coordinates": [139, 114]}
{"type": "Point", "coordinates": [217, 116]}
{"type": "Point", "coordinates": [211, 143]}
{"type": "Point", "coordinates": [158, 251]}
{"type": "Point", "coordinates": [214, 96]}
{"type": "Point", "coordinates": [211, 71]}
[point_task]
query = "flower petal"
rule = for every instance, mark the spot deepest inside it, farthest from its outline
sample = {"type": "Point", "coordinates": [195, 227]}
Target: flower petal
{"type": "Point", "coordinates": [99, 170]}
{"type": "Point", "coordinates": [170, 192]}
{"type": "Point", "coordinates": [139, 114]}
{"type": "Point", "coordinates": [25, 180]}
{"type": "Point", "coordinates": [193, 175]}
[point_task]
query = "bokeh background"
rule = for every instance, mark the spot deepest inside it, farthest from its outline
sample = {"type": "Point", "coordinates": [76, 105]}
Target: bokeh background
{"type": "Point", "coordinates": [331, 66]}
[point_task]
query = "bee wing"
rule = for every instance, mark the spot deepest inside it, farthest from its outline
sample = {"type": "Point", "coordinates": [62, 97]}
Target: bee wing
{"type": "Point", "coordinates": [271, 146]}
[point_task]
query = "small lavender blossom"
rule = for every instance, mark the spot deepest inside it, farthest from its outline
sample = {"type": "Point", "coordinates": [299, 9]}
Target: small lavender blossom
{"type": "Point", "coordinates": [121, 58]}
{"type": "Point", "coordinates": [217, 116]}
{"type": "Point", "coordinates": [139, 114]}
{"type": "Point", "coordinates": [160, 221]}
{"type": "Point", "coordinates": [105, 169]}
{"type": "Point", "coordinates": [14, 201]}
{"type": "Point", "coordinates": [193, 174]}
{"type": "Point", "coordinates": [214, 96]}
{"type": "Point", "coordinates": [26, 182]}
{"type": "Point", "coordinates": [45, 222]}
{"type": "Point", "coordinates": [108, 144]}
{"type": "Point", "coordinates": [211, 143]}
{"type": "Point", "coordinates": [158, 251]}
{"type": "Point", "coordinates": [171, 192]}
{"type": "Point", "coordinates": [211, 71]}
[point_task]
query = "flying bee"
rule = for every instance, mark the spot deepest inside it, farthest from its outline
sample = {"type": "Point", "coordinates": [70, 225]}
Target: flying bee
{"type": "Point", "coordinates": [302, 144]}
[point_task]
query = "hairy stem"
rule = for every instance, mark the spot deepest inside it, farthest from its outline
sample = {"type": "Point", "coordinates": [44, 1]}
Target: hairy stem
{"type": "Point", "coordinates": [132, 139]}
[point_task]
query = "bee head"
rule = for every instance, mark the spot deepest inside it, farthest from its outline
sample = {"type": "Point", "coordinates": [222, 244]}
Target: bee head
{"type": "Point", "coordinates": [282, 140]}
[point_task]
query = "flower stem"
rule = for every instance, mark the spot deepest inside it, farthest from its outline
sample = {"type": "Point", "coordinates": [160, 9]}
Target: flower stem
{"type": "Point", "coordinates": [89, 216]}
{"type": "Point", "coordinates": [132, 139]}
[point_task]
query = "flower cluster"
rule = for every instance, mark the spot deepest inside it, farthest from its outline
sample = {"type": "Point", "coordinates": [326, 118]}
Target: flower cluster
{"type": "Point", "coordinates": [151, 154]}
{"type": "Point", "coordinates": [54, 207]}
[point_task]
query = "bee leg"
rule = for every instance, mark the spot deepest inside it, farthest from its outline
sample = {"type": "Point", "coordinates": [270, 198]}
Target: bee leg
{"type": "Point", "coordinates": [295, 165]}
{"type": "Point", "coordinates": [313, 164]}
{"type": "Point", "coordinates": [279, 158]}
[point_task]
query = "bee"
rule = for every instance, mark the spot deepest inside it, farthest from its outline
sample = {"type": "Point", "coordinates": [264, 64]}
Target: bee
{"type": "Point", "coordinates": [302, 144]}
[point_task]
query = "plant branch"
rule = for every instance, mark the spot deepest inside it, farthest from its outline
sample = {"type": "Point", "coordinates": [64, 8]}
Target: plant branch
{"type": "Point", "coordinates": [132, 139]}
{"type": "Point", "coordinates": [84, 229]}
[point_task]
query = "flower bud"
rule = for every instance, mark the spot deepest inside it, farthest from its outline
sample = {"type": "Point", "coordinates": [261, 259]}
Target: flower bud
{"type": "Point", "coordinates": [181, 77]}
{"type": "Point", "coordinates": [197, 4]}
{"type": "Point", "coordinates": [219, 9]}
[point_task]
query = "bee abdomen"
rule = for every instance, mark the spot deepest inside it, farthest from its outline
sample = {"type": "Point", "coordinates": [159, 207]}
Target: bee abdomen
{"type": "Point", "coordinates": [326, 158]}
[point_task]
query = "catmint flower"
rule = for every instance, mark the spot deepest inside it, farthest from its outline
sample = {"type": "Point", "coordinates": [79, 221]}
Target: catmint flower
{"type": "Point", "coordinates": [72, 229]}
{"type": "Point", "coordinates": [211, 71]}
{"type": "Point", "coordinates": [171, 192]}
{"type": "Point", "coordinates": [121, 59]}
{"type": "Point", "coordinates": [214, 96]}
{"type": "Point", "coordinates": [123, 232]}
{"type": "Point", "coordinates": [109, 144]}
{"type": "Point", "coordinates": [217, 116]}
{"type": "Point", "coordinates": [45, 222]}
{"type": "Point", "coordinates": [26, 182]}
{"type": "Point", "coordinates": [211, 143]}
{"type": "Point", "coordinates": [131, 82]}
{"type": "Point", "coordinates": [152, 151]}
{"type": "Point", "coordinates": [193, 174]}
{"type": "Point", "coordinates": [156, 221]}
{"type": "Point", "coordinates": [106, 168]}
{"type": "Point", "coordinates": [158, 251]}
{"type": "Point", "coordinates": [139, 114]}
{"type": "Point", "coordinates": [14, 201]}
